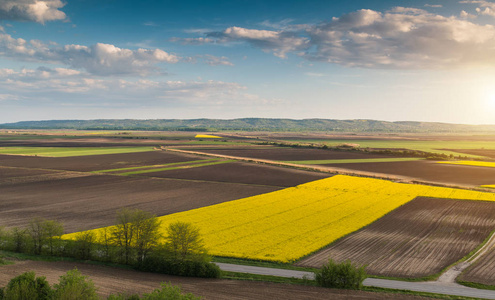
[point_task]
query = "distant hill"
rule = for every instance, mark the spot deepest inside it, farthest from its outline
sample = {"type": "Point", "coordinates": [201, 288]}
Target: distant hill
{"type": "Point", "coordinates": [253, 124]}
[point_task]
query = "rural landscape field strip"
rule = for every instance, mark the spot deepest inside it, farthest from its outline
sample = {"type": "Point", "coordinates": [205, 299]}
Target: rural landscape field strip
{"type": "Point", "coordinates": [188, 166]}
{"type": "Point", "coordinates": [288, 224]}
{"type": "Point", "coordinates": [482, 270]}
{"type": "Point", "coordinates": [470, 163]}
{"type": "Point", "coordinates": [70, 151]}
{"type": "Point", "coordinates": [350, 161]}
{"type": "Point", "coordinates": [418, 239]}
{"type": "Point", "coordinates": [155, 166]}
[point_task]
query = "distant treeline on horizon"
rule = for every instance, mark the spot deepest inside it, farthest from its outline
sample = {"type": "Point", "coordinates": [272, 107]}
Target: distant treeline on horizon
{"type": "Point", "coordinates": [253, 124]}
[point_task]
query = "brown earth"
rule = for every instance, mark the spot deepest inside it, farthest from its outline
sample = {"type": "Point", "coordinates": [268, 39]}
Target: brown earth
{"type": "Point", "coordinates": [246, 173]}
{"type": "Point", "coordinates": [96, 162]}
{"type": "Point", "coordinates": [90, 202]}
{"type": "Point", "coordinates": [290, 154]}
{"type": "Point", "coordinates": [481, 152]}
{"type": "Point", "coordinates": [482, 270]}
{"type": "Point", "coordinates": [9, 172]}
{"type": "Point", "coordinates": [428, 171]}
{"type": "Point", "coordinates": [418, 239]}
{"type": "Point", "coordinates": [110, 280]}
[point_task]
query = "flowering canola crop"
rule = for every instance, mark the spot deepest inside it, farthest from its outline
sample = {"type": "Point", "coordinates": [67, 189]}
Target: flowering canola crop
{"type": "Point", "coordinates": [470, 163]}
{"type": "Point", "coordinates": [288, 224]}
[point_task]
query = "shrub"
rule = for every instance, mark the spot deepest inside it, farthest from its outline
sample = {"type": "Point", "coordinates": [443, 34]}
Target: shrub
{"type": "Point", "coordinates": [27, 286]}
{"type": "Point", "coordinates": [167, 292]}
{"type": "Point", "coordinates": [161, 264]}
{"type": "Point", "coordinates": [344, 275]}
{"type": "Point", "coordinates": [74, 285]}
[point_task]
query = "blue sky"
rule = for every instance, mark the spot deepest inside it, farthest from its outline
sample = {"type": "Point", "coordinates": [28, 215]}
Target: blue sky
{"type": "Point", "coordinates": [386, 60]}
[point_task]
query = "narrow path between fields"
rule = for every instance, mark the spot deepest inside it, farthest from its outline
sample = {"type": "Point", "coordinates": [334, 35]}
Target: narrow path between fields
{"type": "Point", "coordinates": [451, 274]}
{"type": "Point", "coordinates": [428, 287]}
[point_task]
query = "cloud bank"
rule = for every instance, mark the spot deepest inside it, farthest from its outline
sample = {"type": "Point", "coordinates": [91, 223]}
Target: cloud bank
{"type": "Point", "coordinates": [99, 59]}
{"type": "Point", "coordinates": [401, 38]}
{"type": "Point", "coordinates": [39, 11]}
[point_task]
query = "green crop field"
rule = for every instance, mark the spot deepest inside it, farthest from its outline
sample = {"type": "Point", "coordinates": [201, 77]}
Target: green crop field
{"type": "Point", "coordinates": [70, 151]}
{"type": "Point", "coordinates": [427, 146]}
{"type": "Point", "coordinates": [350, 161]}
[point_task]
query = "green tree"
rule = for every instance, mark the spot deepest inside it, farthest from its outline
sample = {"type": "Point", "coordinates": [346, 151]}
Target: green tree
{"type": "Point", "coordinates": [184, 241]}
{"type": "Point", "coordinates": [19, 237]}
{"type": "Point", "coordinates": [343, 275]}
{"type": "Point", "coordinates": [27, 287]}
{"type": "Point", "coordinates": [44, 232]}
{"type": "Point", "coordinates": [74, 285]}
{"type": "Point", "coordinates": [135, 234]}
{"type": "Point", "coordinates": [83, 244]}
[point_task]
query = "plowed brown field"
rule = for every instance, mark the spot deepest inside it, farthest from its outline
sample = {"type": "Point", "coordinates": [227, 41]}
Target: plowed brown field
{"type": "Point", "coordinates": [91, 201]}
{"type": "Point", "coordinates": [482, 270]}
{"type": "Point", "coordinates": [112, 281]}
{"type": "Point", "coordinates": [416, 240]}
{"type": "Point", "coordinates": [243, 173]}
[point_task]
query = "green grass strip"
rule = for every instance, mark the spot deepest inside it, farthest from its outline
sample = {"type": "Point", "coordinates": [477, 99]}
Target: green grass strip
{"type": "Point", "coordinates": [156, 166]}
{"type": "Point", "coordinates": [176, 168]}
{"type": "Point", "coordinates": [70, 151]}
{"type": "Point", "coordinates": [351, 161]}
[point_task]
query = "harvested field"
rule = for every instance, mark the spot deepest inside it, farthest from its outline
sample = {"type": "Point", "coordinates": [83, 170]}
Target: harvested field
{"type": "Point", "coordinates": [70, 151]}
{"type": "Point", "coordinates": [482, 270]}
{"type": "Point", "coordinates": [110, 280]}
{"type": "Point", "coordinates": [429, 171]}
{"type": "Point", "coordinates": [96, 162]}
{"type": "Point", "coordinates": [92, 201]}
{"type": "Point", "coordinates": [289, 154]}
{"type": "Point", "coordinates": [246, 173]}
{"type": "Point", "coordinates": [418, 239]}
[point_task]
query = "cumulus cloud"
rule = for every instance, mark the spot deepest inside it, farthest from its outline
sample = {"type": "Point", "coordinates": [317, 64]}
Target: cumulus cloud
{"type": "Point", "coordinates": [402, 37]}
{"type": "Point", "coordinates": [98, 59]}
{"type": "Point", "coordinates": [278, 42]}
{"type": "Point", "coordinates": [486, 8]}
{"type": "Point", "coordinates": [39, 11]}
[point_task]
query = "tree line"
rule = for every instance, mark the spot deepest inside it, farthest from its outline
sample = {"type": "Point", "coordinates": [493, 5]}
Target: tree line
{"type": "Point", "coordinates": [73, 285]}
{"type": "Point", "coordinates": [134, 240]}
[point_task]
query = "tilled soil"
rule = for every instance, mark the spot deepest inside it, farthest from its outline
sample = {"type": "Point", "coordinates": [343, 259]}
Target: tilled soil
{"type": "Point", "coordinates": [90, 202]}
{"type": "Point", "coordinates": [416, 240]}
{"type": "Point", "coordinates": [482, 270]}
{"type": "Point", "coordinates": [110, 280]}
{"type": "Point", "coordinates": [96, 162]}
{"type": "Point", "coordinates": [429, 171]}
{"type": "Point", "coordinates": [246, 173]}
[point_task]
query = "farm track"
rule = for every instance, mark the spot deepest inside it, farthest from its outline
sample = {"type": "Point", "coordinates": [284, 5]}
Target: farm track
{"type": "Point", "coordinates": [353, 170]}
{"type": "Point", "coordinates": [427, 287]}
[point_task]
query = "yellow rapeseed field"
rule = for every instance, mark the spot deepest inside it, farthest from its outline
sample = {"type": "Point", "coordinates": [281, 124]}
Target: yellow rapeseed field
{"type": "Point", "coordinates": [470, 163]}
{"type": "Point", "coordinates": [288, 224]}
{"type": "Point", "coordinates": [207, 136]}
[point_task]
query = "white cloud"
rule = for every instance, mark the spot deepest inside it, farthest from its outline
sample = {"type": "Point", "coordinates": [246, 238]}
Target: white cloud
{"type": "Point", "coordinates": [63, 85]}
{"type": "Point", "coordinates": [216, 60]}
{"type": "Point", "coordinates": [39, 11]}
{"type": "Point", "coordinates": [486, 8]}
{"type": "Point", "coordinates": [434, 5]}
{"type": "Point", "coordinates": [278, 42]}
{"type": "Point", "coordinates": [99, 59]}
{"type": "Point", "coordinates": [402, 37]}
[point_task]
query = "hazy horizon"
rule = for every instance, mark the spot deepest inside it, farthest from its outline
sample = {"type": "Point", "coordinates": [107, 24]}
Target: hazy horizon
{"type": "Point", "coordinates": [420, 61]}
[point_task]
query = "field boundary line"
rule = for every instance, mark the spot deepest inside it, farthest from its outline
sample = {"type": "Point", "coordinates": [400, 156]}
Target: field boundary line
{"type": "Point", "coordinates": [330, 170]}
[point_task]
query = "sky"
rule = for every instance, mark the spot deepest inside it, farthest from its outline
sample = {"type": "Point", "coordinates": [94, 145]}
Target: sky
{"type": "Point", "coordinates": [402, 60]}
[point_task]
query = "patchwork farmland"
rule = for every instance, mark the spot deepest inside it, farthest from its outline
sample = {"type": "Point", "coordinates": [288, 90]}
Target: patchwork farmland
{"type": "Point", "coordinates": [259, 211]}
